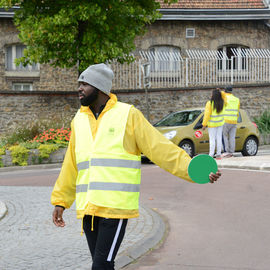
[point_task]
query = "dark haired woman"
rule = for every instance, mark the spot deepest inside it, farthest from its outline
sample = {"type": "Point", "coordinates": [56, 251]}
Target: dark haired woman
{"type": "Point", "coordinates": [214, 119]}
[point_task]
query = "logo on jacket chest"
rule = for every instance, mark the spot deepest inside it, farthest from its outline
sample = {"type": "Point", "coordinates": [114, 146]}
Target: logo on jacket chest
{"type": "Point", "coordinates": [111, 131]}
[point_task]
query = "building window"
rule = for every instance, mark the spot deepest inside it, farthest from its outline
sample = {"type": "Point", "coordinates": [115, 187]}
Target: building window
{"type": "Point", "coordinates": [232, 57]}
{"type": "Point", "coordinates": [22, 86]}
{"type": "Point", "coordinates": [16, 51]}
{"type": "Point", "coordinates": [165, 58]}
{"type": "Point", "coordinates": [190, 33]}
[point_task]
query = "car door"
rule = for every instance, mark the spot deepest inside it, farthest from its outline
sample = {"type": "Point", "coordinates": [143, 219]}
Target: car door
{"type": "Point", "coordinates": [201, 137]}
{"type": "Point", "coordinates": [241, 130]}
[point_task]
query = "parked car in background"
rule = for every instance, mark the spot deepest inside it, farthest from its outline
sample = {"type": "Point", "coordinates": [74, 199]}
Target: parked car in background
{"type": "Point", "coordinates": [184, 128]}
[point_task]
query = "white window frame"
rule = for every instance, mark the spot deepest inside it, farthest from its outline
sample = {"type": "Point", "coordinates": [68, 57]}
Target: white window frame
{"type": "Point", "coordinates": [22, 84]}
{"type": "Point", "coordinates": [33, 67]}
{"type": "Point", "coordinates": [239, 59]}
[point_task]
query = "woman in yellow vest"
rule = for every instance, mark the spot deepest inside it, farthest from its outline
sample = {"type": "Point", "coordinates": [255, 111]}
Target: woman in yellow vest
{"type": "Point", "coordinates": [214, 119]}
{"type": "Point", "coordinates": [102, 165]}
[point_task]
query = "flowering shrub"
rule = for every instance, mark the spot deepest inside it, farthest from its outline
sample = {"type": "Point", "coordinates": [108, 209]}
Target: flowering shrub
{"type": "Point", "coordinates": [57, 136]}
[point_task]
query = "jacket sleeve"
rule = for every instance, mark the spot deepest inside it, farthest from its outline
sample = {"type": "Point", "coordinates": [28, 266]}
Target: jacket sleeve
{"type": "Point", "coordinates": [238, 109]}
{"type": "Point", "coordinates": [64, 191]}
{"type": "Point", "coordinates": [207, 113]}
{"type": "Point", "coordinates": [157, 148]}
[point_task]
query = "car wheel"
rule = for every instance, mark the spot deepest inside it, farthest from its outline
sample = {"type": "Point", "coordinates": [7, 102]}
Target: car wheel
{"type": "Point", "coordinates": [188, 147]}
{"type": "Point", "coordinates": [250, 147]}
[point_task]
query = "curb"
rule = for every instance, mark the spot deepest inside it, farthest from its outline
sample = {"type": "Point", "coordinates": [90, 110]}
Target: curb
{"type": "Point", "coordinates": [151, 241]}
{"type": "Point", "coordinates": [30, 167]}
{"type": "Point", "coordinates": [263, 167]}
{"type": "Point", "coordinates": [3, 210]}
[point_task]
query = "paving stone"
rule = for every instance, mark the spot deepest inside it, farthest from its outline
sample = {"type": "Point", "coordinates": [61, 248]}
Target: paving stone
{"type": "Point", "coordinates": [29, 240]}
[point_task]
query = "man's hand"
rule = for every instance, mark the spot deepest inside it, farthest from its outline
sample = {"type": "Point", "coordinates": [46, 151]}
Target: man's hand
{"type": "Point", "coordinates": [58, 216]}
{"type": "Point", "coordinates": [214, 176]}
{"type": "Point", "coordinates": [203, 128]}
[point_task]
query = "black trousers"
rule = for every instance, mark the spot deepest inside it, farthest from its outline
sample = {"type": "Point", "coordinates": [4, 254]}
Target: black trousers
{"type": "Point", "coordinates": [104, 241]}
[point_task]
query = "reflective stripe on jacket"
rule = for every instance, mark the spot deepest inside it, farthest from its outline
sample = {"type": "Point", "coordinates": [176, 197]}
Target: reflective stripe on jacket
{"type": "Point", "coordinates": [231, 109]}
{"type": "Point", "coordinates": [108, 175]}
{"type": "Point", "coordinates": [215, 119]}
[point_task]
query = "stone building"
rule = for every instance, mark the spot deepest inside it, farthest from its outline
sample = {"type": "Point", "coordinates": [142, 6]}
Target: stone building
{"type": "Point", "coordinates": [188, 24]}
{"type": "Point", "coordinates": [209, 24]}
{"type": "Point", "coordinates": [223, 26]}
{"type": "Point", "coordinates": [32, 77]}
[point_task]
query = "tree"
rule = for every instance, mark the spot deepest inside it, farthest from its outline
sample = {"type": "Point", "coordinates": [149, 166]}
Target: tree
{"type": "Point", "coordinates": [66, 33]}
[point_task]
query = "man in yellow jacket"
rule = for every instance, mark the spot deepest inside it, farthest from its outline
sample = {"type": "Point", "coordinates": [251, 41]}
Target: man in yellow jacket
{"type": "Point", "coordinates": [102, 164]}
{"type": "Point", "coordinates": [230, 117]}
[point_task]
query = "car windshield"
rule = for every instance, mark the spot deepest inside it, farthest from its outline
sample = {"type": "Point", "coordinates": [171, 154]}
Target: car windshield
{"type": "Point", "coordinates": [182, 118]}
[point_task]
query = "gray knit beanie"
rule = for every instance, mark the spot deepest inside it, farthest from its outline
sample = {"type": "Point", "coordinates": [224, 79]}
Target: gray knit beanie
{"type": "Point", "coordinates": [99, 76]}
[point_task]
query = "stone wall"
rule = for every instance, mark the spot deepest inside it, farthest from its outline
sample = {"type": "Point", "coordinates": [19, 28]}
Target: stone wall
{"type": "Point", "coordinates": [208, 34]}
{"type": "Point", "coordinates": [254, 99]}
{"type": "Point", "coordinates": [18, 109]}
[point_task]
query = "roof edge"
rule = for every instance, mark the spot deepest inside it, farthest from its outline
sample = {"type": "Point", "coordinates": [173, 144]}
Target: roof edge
{"type": "Point", "coordinates": [215, 14]}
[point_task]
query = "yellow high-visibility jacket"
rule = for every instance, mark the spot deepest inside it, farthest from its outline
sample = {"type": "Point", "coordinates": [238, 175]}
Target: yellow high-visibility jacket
{"type": "Point", "coordinates": [231, 109]}
{"type": "Point", "coordinates": [140, 137]}
{"type": "Point", "coordinates": [108, 175]}
{"type": "Point", "coordinates": [211, 117]}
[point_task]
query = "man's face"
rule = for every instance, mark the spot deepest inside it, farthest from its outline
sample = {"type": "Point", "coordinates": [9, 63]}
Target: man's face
{"type": "Point", "coordinates": [87, 93]}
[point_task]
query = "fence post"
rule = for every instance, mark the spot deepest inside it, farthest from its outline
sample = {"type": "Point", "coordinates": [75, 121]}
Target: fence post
{"type": "Point", "coordinates": [186, 71]}
{"type": "Point", "coordinates": [146, 85]}
{"type": "Point", "coordinates": [140, 75]}
{"type": "Point", "coordinates": [232, 70]}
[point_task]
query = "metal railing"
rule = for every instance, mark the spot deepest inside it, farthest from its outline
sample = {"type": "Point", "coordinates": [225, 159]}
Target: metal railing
{"type": "Point", "coordinates": [196, 68]}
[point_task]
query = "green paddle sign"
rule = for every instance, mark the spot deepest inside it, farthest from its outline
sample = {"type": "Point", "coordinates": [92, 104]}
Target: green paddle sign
{"type": "Point", "coordinates": [200, 167]}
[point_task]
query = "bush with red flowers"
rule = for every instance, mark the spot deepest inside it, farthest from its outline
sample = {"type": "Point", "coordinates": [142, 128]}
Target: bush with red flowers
{"type": "Point", "coordinates": [57, 136]}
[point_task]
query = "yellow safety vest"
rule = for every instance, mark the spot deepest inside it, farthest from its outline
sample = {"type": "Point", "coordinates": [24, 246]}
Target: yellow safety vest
{"type": "Point", "coordinates": [216, 119]}
{"type": "Point", "coordinates": [231, 109]}
{"type": "Point", "coordinates": [108, 175]}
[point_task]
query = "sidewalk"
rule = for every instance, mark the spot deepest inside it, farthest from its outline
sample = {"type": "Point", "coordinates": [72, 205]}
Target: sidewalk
{"type": "Point", "coordinates": [251, 163]}
{"type": "Point", "coordinates": [154, 228]}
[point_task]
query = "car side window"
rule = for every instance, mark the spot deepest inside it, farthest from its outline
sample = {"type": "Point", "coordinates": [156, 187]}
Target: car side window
{"type": "Point", "coordinates": [239, 120]}
{"type": "Point", "coordinates": [199, 124]}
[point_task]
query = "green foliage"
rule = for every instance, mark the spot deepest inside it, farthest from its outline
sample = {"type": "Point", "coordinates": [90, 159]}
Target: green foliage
{"type": "Point", "coordinates": [21, 134]}
{"type": "Point", "coordinates": [2, 142]}
{"type": "Point", "coordinates": [30, 144]}
{"type": "Point", "coordinates": [81, 31]}
{"type": "Point", "coordinates": [19, 155]}
{"type": "Point", "coordinates": [263, 122]}
{"type": "Point", "coordinates": [2, 152]}
{"type": "Point", "coordinates": [46, 149]}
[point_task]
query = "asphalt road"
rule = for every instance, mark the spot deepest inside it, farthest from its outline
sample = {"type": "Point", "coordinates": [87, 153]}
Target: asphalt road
{"type": "Point", "coordinates": [211, 227]}
{"type": "Point", "coordinates": [41, 177]}
{"type": "Point", "coordinates": [47, 177]}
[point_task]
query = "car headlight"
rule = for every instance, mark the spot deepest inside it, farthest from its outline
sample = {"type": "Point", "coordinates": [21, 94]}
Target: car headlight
{"type": "Point", "coordinates": [170, 135]}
